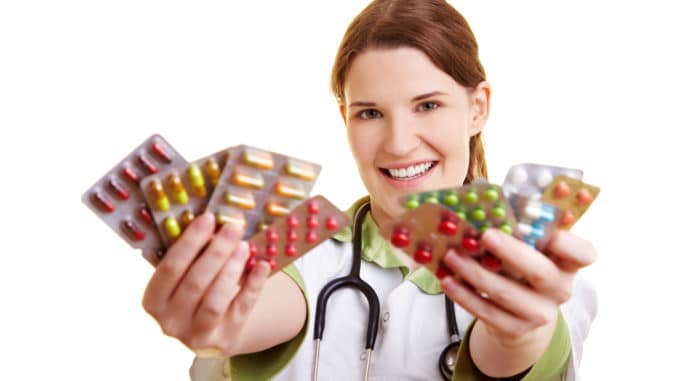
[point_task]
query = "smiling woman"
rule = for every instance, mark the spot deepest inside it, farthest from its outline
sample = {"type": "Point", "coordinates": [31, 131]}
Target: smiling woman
{"type": "Point", "coordinates": [413, 96]}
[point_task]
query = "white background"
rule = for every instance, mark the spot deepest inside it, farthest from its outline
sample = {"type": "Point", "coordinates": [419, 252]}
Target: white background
{"type": "Point", "coordinates": [588, 84]}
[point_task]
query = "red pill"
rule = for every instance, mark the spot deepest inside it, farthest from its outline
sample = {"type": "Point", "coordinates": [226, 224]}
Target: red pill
{"type": "Point", "coordinates": [313, 207]}
{"type": "Point", "coordinates": [102, 202]}
{"type": "Point", "coordinates": [400, 237]}
{"type": "Point", "coordinates": [272, 263]}
{"type": "Point", "coordinates": [312, 222]}
{"type": "Point", "coordinates": [470, 243]}
{"type": "Point", "coordinates": [447, 227]}
{"type": "Point", "coordinates": [292, 236]}
{"type": "Point", "coordinates": [423, 254]}
{"type": "Point", "coordinates": [491, 263]}
{"type": "Point", "coordinates": [145, 214]}
{"type": "Point", "coordinates": [292, 222]}
{"type": "Point", "coordinates": [442, 272]}
{"type": "Point", "coordinates": [130, 175]}
{"type": "Point", "coordinates": [311, 236]}
{"type": "Point", "coordinates": [567, 219]}
{"type": "Point", "coordinates": [253, 250]}
{"type": "Point", "coordinates": [160, 152]}
{"type": "Point", "coordinates": [119, 190]}
{"type": "Point", "coordinates": [331, 223]}
{"type": "Point", "coordinates": [251, 262]}
{"type": "Point", "coordinates": [584, 196]}
{"type": "Point", "coordinates": [562, 190]}
{"type": "Point", "coordinates": [132, 230]}
{"type": "Point", "coordinates": [271, 236]}
{"type": "Point", "coordinates": [290, 250]}
{"type": "Point", "coordinates": [271, 250]}
{"type": "Point", "coordinates": [150, 168]}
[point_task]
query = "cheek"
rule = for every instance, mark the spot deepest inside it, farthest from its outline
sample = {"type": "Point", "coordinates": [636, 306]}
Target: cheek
{"type": "Point", "coordinates": [362, 144]}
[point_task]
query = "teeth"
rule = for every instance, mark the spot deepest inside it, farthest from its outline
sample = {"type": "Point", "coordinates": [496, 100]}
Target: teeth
{"type": "Point", "coordinates": [411, 171]}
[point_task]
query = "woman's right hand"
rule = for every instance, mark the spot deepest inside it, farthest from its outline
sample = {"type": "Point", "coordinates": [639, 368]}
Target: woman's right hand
{"type": "Point", "coordinates": [195, 294]}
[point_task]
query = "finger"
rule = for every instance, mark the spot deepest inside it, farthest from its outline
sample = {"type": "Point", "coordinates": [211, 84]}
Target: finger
{"type": "Point", "coordinates": [176, 261]}
{"type": "Point", "coordinates": [202, 273]}
{"type": "Point", "coordinates": [496, 318]}
{"type": "Point", "coordinates": [509, 295]}
{"type": "Point", "coordinates": [569, 251]}
{"type": "Point", "coordinates": [218, 297]}
{"type": "Point", "coordinates": [537, 269]}
{"type": "Point", "coordinates": [247, 297]}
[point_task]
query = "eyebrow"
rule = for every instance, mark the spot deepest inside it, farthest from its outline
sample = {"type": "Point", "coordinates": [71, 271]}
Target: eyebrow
{"type": "Point", "coordinates": [415, 99]}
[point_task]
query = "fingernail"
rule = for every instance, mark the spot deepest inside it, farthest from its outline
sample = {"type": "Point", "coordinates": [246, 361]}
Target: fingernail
{"type": "Point", "coordinates": [453, 258]}
{"type": "Point", "coordinates": [205, 221]}
{"type": "Point", "coordinates": [242, 251]}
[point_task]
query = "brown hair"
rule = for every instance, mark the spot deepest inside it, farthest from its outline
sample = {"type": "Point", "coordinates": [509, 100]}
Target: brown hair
{"type": "Point", "coordinates": [432, 26]}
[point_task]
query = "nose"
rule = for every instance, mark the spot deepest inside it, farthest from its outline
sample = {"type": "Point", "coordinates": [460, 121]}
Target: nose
{"type": "Point", "coordinates": [400, 137]}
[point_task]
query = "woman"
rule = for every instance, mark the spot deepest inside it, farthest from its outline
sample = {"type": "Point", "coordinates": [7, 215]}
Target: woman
{"type": "Point", "coordinates": [414, 99]}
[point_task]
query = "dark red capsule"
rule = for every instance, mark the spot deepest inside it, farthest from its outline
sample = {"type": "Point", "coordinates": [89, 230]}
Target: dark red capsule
{"type": "Point", "coordinates": [130, 174]}
{"type": "Point", "coordinates": [132, 230]}
{"type": "Point", "coordinates": [160, 152]}
{"type": "Point", "coordinates": [150, 167]}
{"type": "Point", "coordinates": [119, 189]}
{"type": "Point", "coordinates": [145, 214]}
{"type": "Point", "coordinates": [102, 202]}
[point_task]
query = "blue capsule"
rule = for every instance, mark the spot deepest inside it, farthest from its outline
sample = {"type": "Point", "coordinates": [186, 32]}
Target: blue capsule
{"type": "Point", "coordinates": [540, 212]}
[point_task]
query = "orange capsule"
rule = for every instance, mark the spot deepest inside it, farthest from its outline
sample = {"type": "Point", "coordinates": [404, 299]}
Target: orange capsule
{"type": "Point", "coordinates": [248, 179]}
{"type": "Point", "coordinates": [277, 209]}
{"type": "Point", "coordinates": [178, 191]}
{"type": "Point", "coordinates": [243, 200]}
{"type": "Point", "coordinates": [213, 171]}
{"type": "Point", "coordinates": [231, 218]}
{"type": "Point", "coordinates": [258, 158]}
{"type": "Point", "coordinates": [158, 193]}
{"type": "Point", "coordinates": [186, 217]}
{"type": "Point", "coordinates": [301, 170]}
{"type": "Point", "coordinates": [288, 189]}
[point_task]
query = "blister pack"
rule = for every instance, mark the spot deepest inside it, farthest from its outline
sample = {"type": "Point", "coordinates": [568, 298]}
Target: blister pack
{"type": "Point", "coordinates": [531, 180]}
{"type": "Point", "coordinates": [482, 204]}
{"type": "Point", "coordinates": [537, 220]}
{"type": "Point", "coordinates": [572, 196]}
{"type": "Point", "coordinates": [258, 186]}
{"type": "Point", "coordinates": [290, 237]}
{"type": "Point", "coordinates": [179, 193]}
{"type": "Point", "coordinates": [117, 197]}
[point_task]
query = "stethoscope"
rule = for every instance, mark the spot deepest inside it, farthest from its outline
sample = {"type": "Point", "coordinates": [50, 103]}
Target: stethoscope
{"type": "Point", "coordinates": [448, 357]}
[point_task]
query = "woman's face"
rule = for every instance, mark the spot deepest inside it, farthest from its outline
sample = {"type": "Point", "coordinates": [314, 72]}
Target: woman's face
{"type": "Point", "coordinates": [409, 125]}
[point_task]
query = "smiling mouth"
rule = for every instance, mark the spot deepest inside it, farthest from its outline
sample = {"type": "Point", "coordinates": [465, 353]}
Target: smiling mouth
{"type": "Point", "coordinates": [409, 173]}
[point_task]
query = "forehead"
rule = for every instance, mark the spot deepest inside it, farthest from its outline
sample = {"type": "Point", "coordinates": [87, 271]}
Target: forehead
{"type": "Point", "coordinates": [383, 73]}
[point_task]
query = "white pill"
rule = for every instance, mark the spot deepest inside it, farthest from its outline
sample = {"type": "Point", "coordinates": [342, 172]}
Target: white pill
{"type": "Point", "coordinates": [544, 178]}
{"type": "Point", "coordinates": [518, 175]}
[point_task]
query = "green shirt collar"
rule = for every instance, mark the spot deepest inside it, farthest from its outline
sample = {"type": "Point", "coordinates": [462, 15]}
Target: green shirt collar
{"type": "Point", "coordinates": [377, 250]}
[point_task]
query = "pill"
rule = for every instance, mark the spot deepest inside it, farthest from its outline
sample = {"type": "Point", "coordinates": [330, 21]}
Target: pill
{"type": "Point", "coordinates": [301, 170]}
{"type": "Point", "coordinates": [130, 174]}
{"type": "Point", "coordinates": [259, 159]}
{"type": "Point", "coordinates": [478, 214]}
{"type": "Point", "coordinates": [470, 243]}
{"type": "Point", "coordinates": [567, 219]}
{"type": "Point", "coordinates": [499, 211]}
{"type": "Point", "coordinates": [424, 253]}
{"type": "Point", "coordinates": [400, 237]}
{"type": "Point", "coordinates": [491, 194]}
{"type": "Point", "coordinates": [271, 236]}
{"type": "Point", "coordinates": [251, 262]}
{"type": "Point", "coordinates": [145, 214]}
{"type": "Point", "coordinates": [271, 250]}
{"type": "Point", "coordinates": [534, 229]}
{"type": "Point", "coordinates": [491, 263]}
{"type": "Point", "coordinates": [172, 227]}
{"type": "Point", "coordinates": [276, 209]}
{"type": "Point", "coordinates": [311, 236]}
{"type": "Point", "coordinates": [331, 223]}
{"type": "Point", "coordinates": [272, 263]}
{"type": "Point", "coordinates": [290, 190]}
{"type": "Point", "coordinates": [312, 222]}
{"type": "Point", "coordinates": [213, 171]}
{"type": "Point", "coordinates": [584, 196]}
{"type": "Point", "coordinates": [119, 189]}
{"type": "Point", "coordinates": [561, 190]}
{"type": "Point", "coordinates": [243, 200]}
{"type": "Point", "coordinates": [290, 250]}
{"type": "Point", "coordinates": [148, 166]}
{"type": "Point", "coordinates": [431, 198]}
{"type": "Point", "coordinates": [248, 179]}
{"type": "Point", "coordinates": [451, 199]}
{"type": "Point", "coordinates": [519, 175]}
{"type": "Point", "coordinates": [506, 228]}
{"type": "Point", "coordinates": [159, 151]}
{"type": "Point", "coordinates": [186, 217]}
{"type": "Point", "coordinates": [102, 202]}
{"type": "Point", "coordinates": [197, 181]}
{"type": "Point", "coordinates": [292, 236]}
{"type": "Point", "coordinates": [471, 196]}
{"type": "Point", "coordinates": [447, 227]}
{"type": "Point", "coordinates": [544, 178]}
{"type": "Point", "coordinates": [132, 230]}
{"type": "Point", "coordinates": [233, 219]}
{"type": "Point", "coordinates": [539, 211]}
{"type": "Point", "coordinates": [412, 202]}
{"type": "Point", "coordinates": [178, 191]}
{"type": "Point", "coordinates": [313, 207]}
{"type": "Point", "coordinates": [442, 272]}
{"type": "Point", "coordinates": [158, 193]}
{"type": "Point", "coordinates": [292, 222]}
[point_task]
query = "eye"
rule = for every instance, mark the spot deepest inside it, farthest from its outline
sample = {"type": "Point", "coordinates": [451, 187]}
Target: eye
{"type": "Point", "coordinates": [426, 106]}
{"type": "Point", "coordinates": [369, 114]}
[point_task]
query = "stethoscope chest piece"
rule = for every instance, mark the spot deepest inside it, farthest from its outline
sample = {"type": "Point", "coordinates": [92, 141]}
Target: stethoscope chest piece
{"type": "Point", "coordinates": [448, 359]}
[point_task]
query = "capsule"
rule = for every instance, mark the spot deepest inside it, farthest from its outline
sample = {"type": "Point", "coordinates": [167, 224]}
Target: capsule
{"type": "Point", "coordinates": [130, 175]}
{"type": "Point", "coordinates": [301, 170]}
{"type": "Point", "coordinates": [213, 171]}
{"type": "Point", "coordinates": [539, 211]}
{"type": "Point", "coordinates": [534, 229]}
{"type": "Point", "coordinates": [259, 159]}
{"type": "Point", "coordinates": [145, 214]}
{"type": "Point", "coordinates": [186, 217]}
{"type": "Point", "coordinates": [172, 227]}
{"type": "Point", "coordinates": [248, 179]}
{"type": "Point", "coordinates": [178, 191]}
{"type": "Point", "coordinates": [232, 219]}
{"type": "Point", "coordinates": [102, 202]}
{"type": "Point", "coordinates": [240, 199]}
{"type": "Point", "coordinates": [158, 193]}
{"type": "Point", "coordinates": [159, 151]}
{"type": "Point", "coordinates": [196, 180]}
{"type": "Point", "coordinates": [276, 209]}
{"type": "Point", "coordinates": [150, 167]}
{"type": "Point", "coordinates": [288, 190]}
{"type": "Point", "coordinates": [132, 230]}
{"type": "Point", "coordinates": [119, 189]}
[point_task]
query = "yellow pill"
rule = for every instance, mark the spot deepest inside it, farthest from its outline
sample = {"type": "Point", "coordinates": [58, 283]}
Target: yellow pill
{"type": "Point", "coordinates": [178, 191]}
{"type": "Point", "coordinates": [248, 179]}
{"type": "Point", "coordinates": [172, 227]}
{"type": "Point", "coordinates": [300, 170]}
{"type": "Point", "coordinates": [197, 180]}
{"type": "Point", "coordinates": [242, 200]}
{"type": "Point", "coordinates": [213, 170]}
{"type": "Point", "coordinates": [288, 190]}
{"type": "Point", "coordinates": [259, 159]}
{"type": "Point", "coordinates": [276, 209]}
{"type": "Point", "coordinates": [158, 192]}
{"type": "Point", "coordinates": [231, 219]}
{"type": "Point", "coordinates": [187, 217]}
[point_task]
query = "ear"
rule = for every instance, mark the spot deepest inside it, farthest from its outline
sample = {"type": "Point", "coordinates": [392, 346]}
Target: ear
{"type": "Point", "coordinates": [342, 110]}
{"type": "Point", "coordinates": [480, 107]}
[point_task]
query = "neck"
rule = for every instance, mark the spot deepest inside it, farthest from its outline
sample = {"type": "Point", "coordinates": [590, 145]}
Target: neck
{"type": "Point", "coordinates": [381, 219]}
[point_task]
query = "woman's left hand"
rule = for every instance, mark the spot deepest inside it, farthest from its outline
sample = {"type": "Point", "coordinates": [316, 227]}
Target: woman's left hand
{"type": "Point", "coordinates": [518, 316]}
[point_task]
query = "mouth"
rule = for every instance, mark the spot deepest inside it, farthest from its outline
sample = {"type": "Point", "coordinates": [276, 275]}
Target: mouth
{"type": "Point", "coordinates": [409, 172]}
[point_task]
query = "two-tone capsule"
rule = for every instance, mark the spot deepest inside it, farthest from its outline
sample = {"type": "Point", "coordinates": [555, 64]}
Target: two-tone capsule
{"type": "Point", "coordinates": [539, 211]}
{"type": "Point", "coordinates": [132, 230]}
{"type": "Point", "coordinates": [177, 187]}
{"type": "Point", "coordinates": [213, 171]}
{"type": "Point", "coordinates": [301, 170]}
{"type": "Point", "coordinates": [159, 196]}
{"type": "Point", "coordinates": [197, 181]}
{"type": "Point", "coordinates": [259, 159]}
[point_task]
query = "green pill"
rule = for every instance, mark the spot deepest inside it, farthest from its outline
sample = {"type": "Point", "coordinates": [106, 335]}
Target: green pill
{"type": "Point", "coordinates": [498, 212]}
{"type": "Point", "coordinates": [506, 228]}
{"type": "Point", "coordinates": [471, 197]}
{"type": "Point", "coordinates": [432, 198]}
{"type": "Point", "coordinates": [478, 214]}
{"type": "Point", "coordinates": [461, 214]}
{"type": "Point", "coordinates": [484, 228]}
{"type": "Point", "coordinates": [451, 199]}
{"type": "Point", "coordinates": [412, 203]}
{"type": "Point", "coordinates": [491, 194]}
